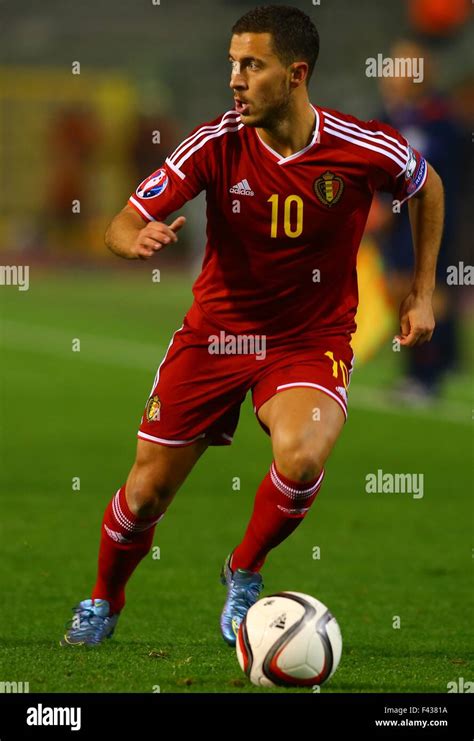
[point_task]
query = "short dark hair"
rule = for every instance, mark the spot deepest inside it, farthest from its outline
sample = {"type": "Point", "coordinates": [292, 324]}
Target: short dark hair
{"type": "Point", "coordinates": [294, 34]}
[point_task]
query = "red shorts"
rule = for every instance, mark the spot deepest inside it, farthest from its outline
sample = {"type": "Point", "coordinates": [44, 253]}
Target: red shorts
{"type": "Point", "coordinates": [206, 373]}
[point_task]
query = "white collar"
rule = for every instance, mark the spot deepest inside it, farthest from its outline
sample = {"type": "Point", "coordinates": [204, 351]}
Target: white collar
{"type": "Point", "coordinates": [314, 139]}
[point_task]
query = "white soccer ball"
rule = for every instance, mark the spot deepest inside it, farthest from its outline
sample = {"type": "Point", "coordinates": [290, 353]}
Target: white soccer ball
{"type": "Point", "coordinates": [289, 639]}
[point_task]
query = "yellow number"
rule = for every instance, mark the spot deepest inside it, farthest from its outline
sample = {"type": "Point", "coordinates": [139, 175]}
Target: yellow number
{"type": "Point", "coordinates": [299, 216]}
{"type": "Point", "coordinates": [274, 201]}
{"type": "Point", "coordinates": [335, 368]}
{"type": "Point", "coordinates": [330, 355]}
{"type": "Point", "coordinates": [345, 374]}
{"type": "Point", "coordinates": [289, 230]}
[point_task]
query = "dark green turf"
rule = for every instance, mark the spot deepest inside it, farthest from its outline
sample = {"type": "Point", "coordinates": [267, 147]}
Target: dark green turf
{"type": "Point", "coordinates": [67, 414]}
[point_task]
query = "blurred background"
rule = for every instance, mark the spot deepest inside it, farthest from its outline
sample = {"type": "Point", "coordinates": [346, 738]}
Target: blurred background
{"type": "Point", "coordinates": [93, 97]}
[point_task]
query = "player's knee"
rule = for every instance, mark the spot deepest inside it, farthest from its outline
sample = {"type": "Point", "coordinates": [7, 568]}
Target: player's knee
{"type": "Point", "coordinates": [147, 493]}
{"type": "Point", "coordinates": [297, 461]}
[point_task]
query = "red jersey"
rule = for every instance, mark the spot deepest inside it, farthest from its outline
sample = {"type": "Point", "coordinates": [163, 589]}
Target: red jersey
{"type": "Point", "coordinates": [282, 232]}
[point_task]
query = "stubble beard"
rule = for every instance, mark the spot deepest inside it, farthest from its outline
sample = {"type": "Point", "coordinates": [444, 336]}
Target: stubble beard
{"type": "Point", "coordinates": [276, 114]}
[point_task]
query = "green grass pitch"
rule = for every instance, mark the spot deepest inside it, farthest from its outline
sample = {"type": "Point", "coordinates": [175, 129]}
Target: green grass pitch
{"type": "Point", "coordinates": [72, 414]}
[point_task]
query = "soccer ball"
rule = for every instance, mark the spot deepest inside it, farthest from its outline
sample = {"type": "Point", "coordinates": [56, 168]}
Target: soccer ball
{"type": "Point", "coordinates": [289, 639]}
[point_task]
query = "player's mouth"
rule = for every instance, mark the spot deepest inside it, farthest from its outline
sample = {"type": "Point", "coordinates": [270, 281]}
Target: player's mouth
{"type": "Point", "coordinates": [241, 107]}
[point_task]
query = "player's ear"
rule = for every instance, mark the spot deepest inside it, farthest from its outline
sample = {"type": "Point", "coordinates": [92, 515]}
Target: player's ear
{"type": "Point", "coordinates": [298, 72]}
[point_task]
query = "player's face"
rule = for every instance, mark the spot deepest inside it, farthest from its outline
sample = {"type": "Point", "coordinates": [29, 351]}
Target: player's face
{"type": "Point", "coordinates": [259, 81]}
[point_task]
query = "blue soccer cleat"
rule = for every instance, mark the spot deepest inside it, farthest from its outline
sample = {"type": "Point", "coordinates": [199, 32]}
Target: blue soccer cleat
{"type": "Point", "coordinates": [243, 590]}
{"type": "Point", "coordinates": [91, 624]}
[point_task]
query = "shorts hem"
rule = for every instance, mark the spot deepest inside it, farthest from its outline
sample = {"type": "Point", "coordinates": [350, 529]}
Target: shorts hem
{"type": "Point", "coordinates": [213, 440]}
{"type": "Point", "coordinates": [300, 384]}
{"type": "Point", "coordinates": [166, 442]}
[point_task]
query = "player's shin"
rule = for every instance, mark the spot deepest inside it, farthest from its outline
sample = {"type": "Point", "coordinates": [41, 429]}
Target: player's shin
{"type": "Point", "coordinates": [280, 505]}
{"type": "Point", "coordinates": [125, 541]}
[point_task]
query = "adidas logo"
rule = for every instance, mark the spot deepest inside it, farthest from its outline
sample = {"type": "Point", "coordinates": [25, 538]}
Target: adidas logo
{"type": "Point", "coordinates": [242, 189]}
{"type": "Point", "coordinates": [118, 537]}
{"type": "Point", "coordinates": [279, 622]}
{"type": "Point", "coordinates": [296, 511]}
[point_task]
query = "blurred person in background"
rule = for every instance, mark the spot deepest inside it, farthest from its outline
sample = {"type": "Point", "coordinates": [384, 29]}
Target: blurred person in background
{"type": "Point", "coordinates": [438, 20]}
{"type": "Point", "coordinates": [73, 142]}
{"type": "Point", "coordinates": [463, 101]}
{"type": "Point", "coordinates": [426, 117]}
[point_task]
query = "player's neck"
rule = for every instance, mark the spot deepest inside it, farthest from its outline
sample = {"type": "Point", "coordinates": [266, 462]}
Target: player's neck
{"type": "Point", "coordinates": [292, 134]}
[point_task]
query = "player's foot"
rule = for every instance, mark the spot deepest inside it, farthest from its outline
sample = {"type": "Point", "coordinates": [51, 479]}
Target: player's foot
{"type": "Point", "coordinates": [91, 623]}
{"type": "Point", "coordinates": [243, 590]}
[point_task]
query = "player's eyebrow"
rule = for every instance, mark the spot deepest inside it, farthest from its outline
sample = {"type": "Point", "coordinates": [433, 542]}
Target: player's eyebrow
{"type": "Point", "coordinates": [246, 59]}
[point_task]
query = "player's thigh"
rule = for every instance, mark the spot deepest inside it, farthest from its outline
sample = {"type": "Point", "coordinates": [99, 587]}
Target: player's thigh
{"type": "Point", "coordinates": [159, 470]}
{"type": "Point", "coordinates": [304, 424]}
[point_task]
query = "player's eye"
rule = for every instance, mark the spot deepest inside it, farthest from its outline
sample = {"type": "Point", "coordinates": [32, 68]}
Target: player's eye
{"type": "Point", "coordinates": [252, 65]}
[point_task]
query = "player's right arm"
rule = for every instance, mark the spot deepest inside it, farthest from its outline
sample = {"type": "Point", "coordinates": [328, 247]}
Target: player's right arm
{"type": "Point", "coordinates": [132, 237]}
{"type": "Point", "coordinates": [139, 230]}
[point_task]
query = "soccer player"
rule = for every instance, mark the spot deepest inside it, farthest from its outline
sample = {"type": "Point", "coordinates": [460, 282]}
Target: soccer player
{"type": "Point", "coordinates": [289, 186]}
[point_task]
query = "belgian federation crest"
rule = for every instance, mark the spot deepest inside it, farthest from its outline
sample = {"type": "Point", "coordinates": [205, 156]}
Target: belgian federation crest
{"type": "Point", "coordinates": [329, 188]}
{"type": "Point", "coordinates": [153, 407]}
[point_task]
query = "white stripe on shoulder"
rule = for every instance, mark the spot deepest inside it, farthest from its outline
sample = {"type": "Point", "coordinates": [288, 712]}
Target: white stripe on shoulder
{"type": "Point", "coordinates": [201, 143]}
{"type": "Point", "coordinates": [372, 137]}
{"type": "Point", "coordinates": [401, 146]}
{"type": "Point", "coordinates": [186, 143]}
{"type": "Point", "coordinates": [175, 169]}
{"type": "Point", "coordinates": [366, 145]}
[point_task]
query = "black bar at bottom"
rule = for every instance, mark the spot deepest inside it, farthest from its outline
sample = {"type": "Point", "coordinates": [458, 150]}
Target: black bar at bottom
{"type": "Point", "coordinates": [134, 716]}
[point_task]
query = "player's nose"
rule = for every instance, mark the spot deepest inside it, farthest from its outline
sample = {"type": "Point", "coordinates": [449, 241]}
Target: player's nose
{"type": "Point", "coordinates": [237, 82]}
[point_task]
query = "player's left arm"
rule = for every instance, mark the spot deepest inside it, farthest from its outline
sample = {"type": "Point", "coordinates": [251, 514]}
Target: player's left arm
{"type": "Point", "coordinates": [426, 211]}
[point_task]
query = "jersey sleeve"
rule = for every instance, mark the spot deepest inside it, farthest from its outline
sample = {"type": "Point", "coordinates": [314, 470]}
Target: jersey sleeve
{"type": "Point", "coordinates": [396, 167]}
{"type": "Point", "coordinates": [183, 175]}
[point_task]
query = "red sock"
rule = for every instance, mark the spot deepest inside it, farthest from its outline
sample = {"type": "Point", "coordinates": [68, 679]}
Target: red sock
{"type": "Point", "coordinates": [280, 505]}
{"type": "Point", "coordinates": [125, 540]}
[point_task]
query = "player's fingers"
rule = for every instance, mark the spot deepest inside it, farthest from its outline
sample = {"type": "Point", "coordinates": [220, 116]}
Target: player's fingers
{"type": "Point", "coordinates": [412, 338]}
{"type": "Point", "coordinates": [160, 233]}
{"type": "Point", "coordinates": [178, 223]}
{"type": "Point", "coordinates": [405, 328]}
{"type": "Point", "coordinates": [144, 253]}
{"type": "Point", "coordinates": [154, 244]}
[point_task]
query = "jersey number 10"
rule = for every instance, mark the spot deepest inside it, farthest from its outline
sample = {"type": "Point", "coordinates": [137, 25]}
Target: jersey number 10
{"type": "Point", "coordinates": [290, 230]}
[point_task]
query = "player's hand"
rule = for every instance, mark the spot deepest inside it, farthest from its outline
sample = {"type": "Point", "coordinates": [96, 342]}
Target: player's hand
{"type": "Point", "coordinates": [416, 320]}
{"type": "Point", "coordinates": [156, 235]}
